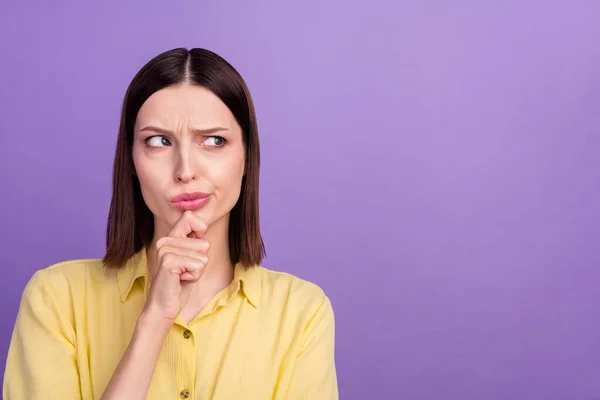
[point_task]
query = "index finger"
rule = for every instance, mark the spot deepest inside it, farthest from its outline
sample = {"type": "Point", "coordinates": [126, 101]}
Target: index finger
{"type": "Point", "coordinates": [189, 223]}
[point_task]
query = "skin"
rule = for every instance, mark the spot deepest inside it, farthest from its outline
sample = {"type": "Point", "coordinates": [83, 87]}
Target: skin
{"type": "Point", "coordinates": [185, 140]}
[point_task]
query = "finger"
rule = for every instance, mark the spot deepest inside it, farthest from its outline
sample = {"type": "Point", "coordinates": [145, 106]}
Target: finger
{"type": "Point", "coordinates": [177, 264]}
{"type": "Point", "coordinates": [187, 224]}
{"type": "Point", "coordinates": [201, 245]}
{"type": "Point", "coordinates": [197, 235]}
{"type": "Point", "coordinates": [189, 277]}
{"type": "Point", "coordinates": [182, 251]}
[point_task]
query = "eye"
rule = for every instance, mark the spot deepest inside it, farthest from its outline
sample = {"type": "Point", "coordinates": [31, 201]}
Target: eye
{"type": "Point", "coordinates": [215, 141]}
{"type": "Point", "coordinates": [157, 141]}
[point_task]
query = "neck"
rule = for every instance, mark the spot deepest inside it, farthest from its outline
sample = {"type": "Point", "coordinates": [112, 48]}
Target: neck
{"type": "Point", "coordinates": [219, 271]}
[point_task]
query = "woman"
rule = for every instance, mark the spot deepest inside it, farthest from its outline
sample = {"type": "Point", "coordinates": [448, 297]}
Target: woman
{"type": "Point", "coordinates": [179, 307]}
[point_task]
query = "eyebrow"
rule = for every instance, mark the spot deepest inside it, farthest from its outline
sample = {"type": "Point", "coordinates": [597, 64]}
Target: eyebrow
{"type": "Point", "coordinates": [207, 131]}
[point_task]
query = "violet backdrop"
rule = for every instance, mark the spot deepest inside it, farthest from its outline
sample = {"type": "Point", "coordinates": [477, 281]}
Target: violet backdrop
{"type": "Point", "coordinates": [432, 165]}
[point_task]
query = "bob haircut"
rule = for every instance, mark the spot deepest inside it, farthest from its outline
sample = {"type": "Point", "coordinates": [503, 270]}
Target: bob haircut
{"type": "Point", "coordinates": [130, 224]}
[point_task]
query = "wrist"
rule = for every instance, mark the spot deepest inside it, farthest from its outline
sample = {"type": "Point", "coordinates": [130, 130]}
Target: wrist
{"type": "Point", "coordinates": [153, 323]}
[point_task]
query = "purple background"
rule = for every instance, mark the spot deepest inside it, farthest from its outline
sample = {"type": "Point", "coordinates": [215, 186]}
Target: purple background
{"type": "Point", "coordinates": [433, 166]}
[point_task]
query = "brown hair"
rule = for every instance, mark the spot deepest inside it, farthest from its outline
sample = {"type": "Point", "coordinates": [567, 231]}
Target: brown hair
{"type": "Point", "coordinates": [130, 223]}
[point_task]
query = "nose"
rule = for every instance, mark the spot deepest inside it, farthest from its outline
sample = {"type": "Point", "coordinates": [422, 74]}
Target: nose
{"type": "Point", "coordinates": [186, 169]}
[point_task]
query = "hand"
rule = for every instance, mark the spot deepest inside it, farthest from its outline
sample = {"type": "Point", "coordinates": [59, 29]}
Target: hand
{"type": "Point", "coordinates": [180, 260]}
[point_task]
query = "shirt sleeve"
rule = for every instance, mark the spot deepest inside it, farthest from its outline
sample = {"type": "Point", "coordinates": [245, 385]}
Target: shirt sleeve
{"type": "Point", "coordinates": [41, 357]}
{"type": "Point", "coordinates": [314, 375]}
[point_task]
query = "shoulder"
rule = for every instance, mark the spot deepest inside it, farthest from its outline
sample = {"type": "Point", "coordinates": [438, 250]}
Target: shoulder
{"type": "Point", "coordinates": [64, 278]}
{"type": "Point", "coordinates": [295, 308]}
{"type": "Point", "coordinates": [290, 284]}
{"type": "Point", "coordinates": [293, 292]}
{"type": "Point", "coordinates": [56, 295]}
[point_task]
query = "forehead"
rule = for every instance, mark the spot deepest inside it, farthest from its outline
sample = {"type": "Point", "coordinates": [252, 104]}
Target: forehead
{"type": "Point", "coordinates": [184, 103]}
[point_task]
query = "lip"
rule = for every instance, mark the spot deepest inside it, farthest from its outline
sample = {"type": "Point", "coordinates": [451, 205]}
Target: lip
{"type": "Point", "coordinates": [189, 196]}
{"type": "Point", "coordinates": [190, 201]}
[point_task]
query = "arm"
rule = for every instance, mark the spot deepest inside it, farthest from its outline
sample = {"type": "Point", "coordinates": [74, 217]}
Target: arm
{"type": "Point", "coordinates": [41, 357]}
{"type": "Point", "coordinates": [314, 376]}
{"type": "Point", "coordinates": [133, 375]}
{"type": "Point", "coordinates": [180, 262]}
{"type": "Point", "coordinates": [41, 361]}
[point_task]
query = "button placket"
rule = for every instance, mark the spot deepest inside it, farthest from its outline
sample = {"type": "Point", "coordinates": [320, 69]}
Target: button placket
{"type": "Point", "coordinates": [187, 361]}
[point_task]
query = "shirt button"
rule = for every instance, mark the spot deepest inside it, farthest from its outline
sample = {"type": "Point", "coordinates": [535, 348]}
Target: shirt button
{"type": "Point", "coordinates": [187, 334]}
{"type": "Point", "coordinates": [184, 394]}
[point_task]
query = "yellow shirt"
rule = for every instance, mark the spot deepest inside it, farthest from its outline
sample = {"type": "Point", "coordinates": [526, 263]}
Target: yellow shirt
{"type": "Point", "coordinates": [269, 335]}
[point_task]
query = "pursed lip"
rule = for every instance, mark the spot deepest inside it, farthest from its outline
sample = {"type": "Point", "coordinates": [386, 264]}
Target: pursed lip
{"type": "Point", "coordinates": [190, 201]}
{"type": "Point", "coordinates": [189, 197]}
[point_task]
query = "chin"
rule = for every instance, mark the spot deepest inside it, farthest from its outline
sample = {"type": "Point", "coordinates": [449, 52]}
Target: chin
{"type": "Point", "coordinates": [206, 214]}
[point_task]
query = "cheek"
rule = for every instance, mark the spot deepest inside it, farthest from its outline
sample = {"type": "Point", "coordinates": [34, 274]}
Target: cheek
{"type": "Point", "coordinates": [229, 177]}
{"type": "Point", "coordinates": [150, 179]}
{"type": "Point", "coordinates": [138, 160]}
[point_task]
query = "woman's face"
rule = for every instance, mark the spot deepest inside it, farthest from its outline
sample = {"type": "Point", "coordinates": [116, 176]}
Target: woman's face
{"type": "Point", "coordinates": [186, 140]}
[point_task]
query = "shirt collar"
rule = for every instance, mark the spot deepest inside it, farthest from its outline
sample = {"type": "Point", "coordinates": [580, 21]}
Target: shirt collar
{"type": "Point", "coordinates": [135, 269]}
{"type": "Point", "coordinates": [246, 279]}
{"type": "Point", "coordinates": [250, 282]}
